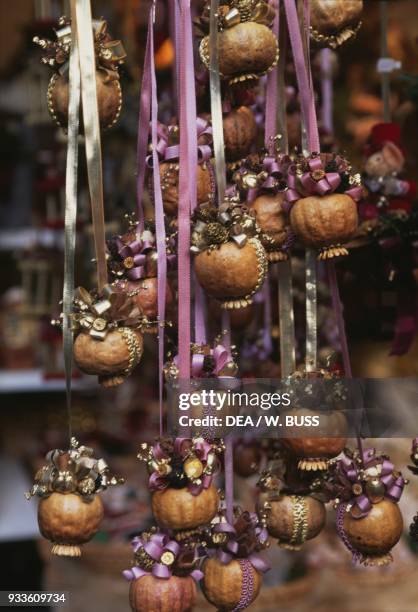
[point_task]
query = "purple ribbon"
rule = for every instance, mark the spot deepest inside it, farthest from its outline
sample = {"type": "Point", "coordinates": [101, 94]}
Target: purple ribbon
{"type": "Point", "coordinates": [220, 355]}
{"type": "Point", "coordinates": [393, 483]}
{"type": "Point", "coordinates": [168, 152]}
{"type": "Point", "coordinates": [201, 449]}
{"type": "Point", "coordinates": [137, 250]}
{"type": "Point", "coordinates": [316, 182]}
{"type": "Point", "coordinates": [155, 547]}
{"type": "Point", "coordinates": [230, 550]}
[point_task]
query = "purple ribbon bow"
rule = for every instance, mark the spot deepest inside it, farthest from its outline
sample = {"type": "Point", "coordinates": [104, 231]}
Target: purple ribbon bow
{"type": "Point", "coordinates": [136, 251]}
{"type": "Point", "coordinates": [201, 449]}
{"type": "Point", "coordinates": [316, 181]}
{"type": "Point", "coordinates": [393, 482]}
{"type": "Point", "coordinates": [230, 549]}
{"type": "Point", "coordinates": [168, 152]}
{"type": "Point", "coordinates": [155, 547]}
{"type": "Point", "coordinates": [220, 355]}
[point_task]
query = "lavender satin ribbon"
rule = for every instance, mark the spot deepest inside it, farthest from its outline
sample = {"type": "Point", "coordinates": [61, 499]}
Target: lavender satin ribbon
{"type": "Point", "coordinates": [232, 545]}
{"type": "Point", "coordinates": [159, 217]}
{"type": "Point", "coordinates": [136, 249]}
{"type": "Point", "coordinates": [272, 94]}
{"type": "Point", "coordinates": [168, 152]}
{"type": "Point", "coordinates": [187, 181]}
{"type": "Point", "coordinates": [303, 80]}
{"type": "Point", "coordinates": [316, 182]}
{"type": "Point", "coordinates": [221, 357]}
{"type": "Point", "coordinates": [155, 548]}
{"type": "Point", "coordinates": [393, 484]}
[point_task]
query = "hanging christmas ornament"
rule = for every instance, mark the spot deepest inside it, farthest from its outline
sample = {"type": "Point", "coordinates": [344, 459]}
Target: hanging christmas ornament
{"type": "Point", "coordinates": [230, 261]}
{"type": "Point", "coordinates": [133, 268]}
{"type": "Point", "coordinates": [262, 180]}
{"type": "Point", "coordinates": [206, 362]}
{"type": "Point", "coordinates": [70, 511]}
{"type": "Point", "coordinates": [316, 394]}
{"type": "Point", "coordinates": [333, 22]}
{"type": "Point", "coordinates": [163, 575]}
{"type": "Point", "coordinates": [109, 54]}
{"type": "Point", "coordinates": [168, 150]}
{"type": "Point", "coordinates": [248, 48]}
{"type": "Point", "coordinates": [367, 488]}
{"type": "Point", "coordinates": [108, 340]}
{"type": "Point", "coordinates": [233, 573]}
{"type": "Point", "coordinates": [181, 481]}
{"type": "Point", "coordinates": [248, 455]}
{"type": "Point", "coordinates": [292, 519]}
{"type": "Point", "coordinates": [323, 193]}
{"type": "Point", "coordinates": [240, 132]}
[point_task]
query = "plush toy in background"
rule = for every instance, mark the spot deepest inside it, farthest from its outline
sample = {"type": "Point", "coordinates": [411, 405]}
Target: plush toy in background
{"type": "Point", "coordinates": [386, 192]}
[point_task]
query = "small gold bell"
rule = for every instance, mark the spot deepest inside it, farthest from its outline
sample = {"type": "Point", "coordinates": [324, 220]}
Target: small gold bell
{"type": "Point", "coordinates": [193, 468]}
{"type": "Point", "coordinates": [375, 490]}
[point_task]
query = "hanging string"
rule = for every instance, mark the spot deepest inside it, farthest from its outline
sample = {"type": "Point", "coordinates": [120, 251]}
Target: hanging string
{"type": "Point", "coordinates": [216, 103]}
{"type": "Point", "coordinates": [187, 182]}
{"type": "Point", "coordinates": [159, 214]}
{"type": "Point", "coordinates": [326, 90]}
{"type": "Point", "coordinates": [385, 76]}
{"type": "Point", "coordinates": [143, 133]}
{"type": "Point", "coordinates": [284, 268]}
{"type": "Point", "coordinates": [220, 174]}
{"type": "Point", "coordinates": [70, 210]}
{"type": "Point", "coordinates": [92, 134]}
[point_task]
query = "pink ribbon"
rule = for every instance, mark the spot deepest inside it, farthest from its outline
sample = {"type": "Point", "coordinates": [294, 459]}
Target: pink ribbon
{"type": "Point", "coordinates": [172, 152]}
{"type": "Point", "coordinates": [188, 156]}
{"type": "Point", "coordinates": [230, 549]}
{"type": "Point", "coordinates": [155, 546]}
{"type": "Point", "coordinates": [137, 249]}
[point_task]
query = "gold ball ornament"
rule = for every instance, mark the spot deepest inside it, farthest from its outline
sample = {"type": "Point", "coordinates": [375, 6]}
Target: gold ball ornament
{"type": "Point", "coordinates": [247, 51]}
{"type": "Point", "coordinates": [175, 594]}
{"type": "Point", "coordinates": [68, 521]}
{"type": "Point", "coordinates": [273, 223]}
{"type": "Point", "coordinates": [111, 359]}
{"type": "Point", "coordinates": [179, 509]}
{"type": "Point", "coordinates": [169, 175]}
{"type": "Point", "coordinates": [314, 453]}
{"type": "Point", "coordinates": [333, 22]}
{"type": "Point", "coordinates": [222, 584]}
{"type": "Point", "coordinates": [374, 535]}
{"type": "Point", "coordinates": [240, 131]}
{"type": "Point", "coordinates": [292, 519]}
{"type": "Point", "coordinates": [232, 274]}
{"type": "Point", "coordinates": [109, 99]}
{"type": "Point", "coordinates": [325, 223]}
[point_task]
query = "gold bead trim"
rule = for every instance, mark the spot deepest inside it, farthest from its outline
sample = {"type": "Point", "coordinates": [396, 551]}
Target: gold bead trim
{"type": "Point", "coordinates": [251, 76]}
{"type": "Point", "coordinates": [66, 550]}
{"type": "Point", "coordinates": [332, 251]}
{"type": "Point", "coordinates": [376, 561]}
{"type": "Point", "coordinates": [315, 464]}
{"type": "Point", "coordinates": [300, 520]}
{"type": "Point", "coordinates": [134, 349]}
{"type": "Point", "coordinates": [262, 271]}
{"type": "Point", "coordinates": [335, 40]}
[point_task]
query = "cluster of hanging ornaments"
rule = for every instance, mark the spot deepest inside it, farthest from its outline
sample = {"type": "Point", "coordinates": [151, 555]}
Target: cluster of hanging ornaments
{"type": "Point", "coordinates": [273, 201]}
